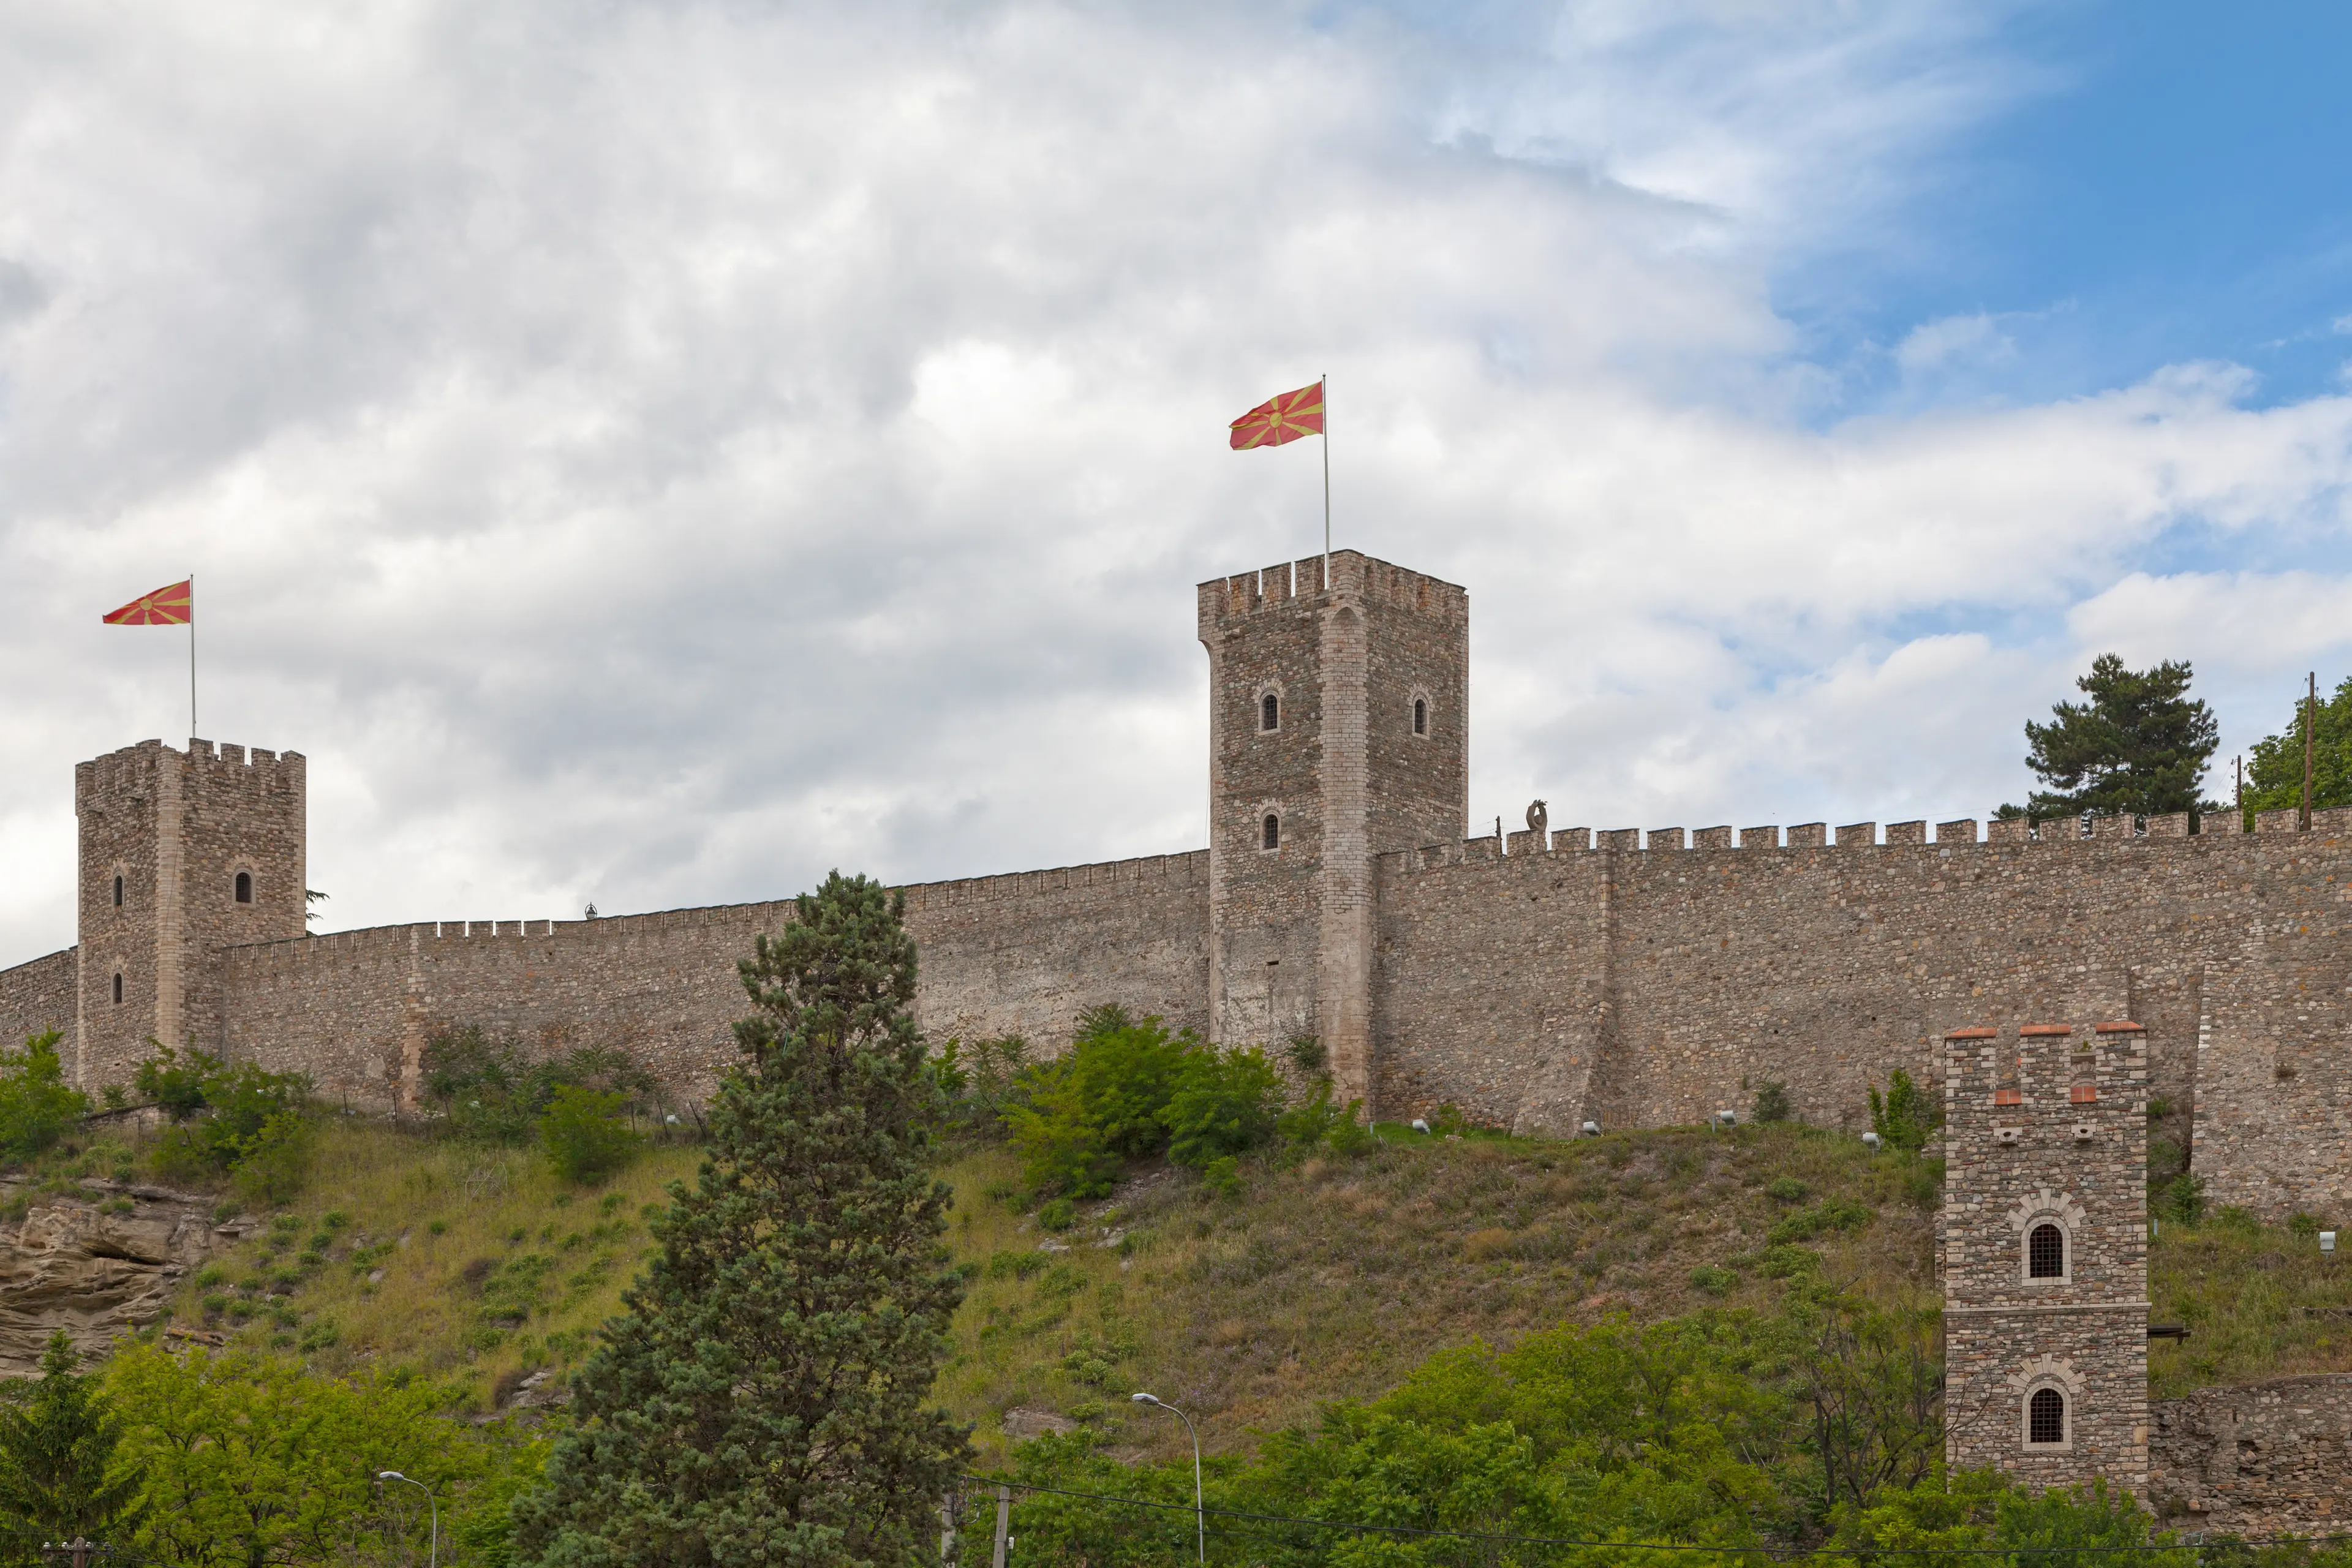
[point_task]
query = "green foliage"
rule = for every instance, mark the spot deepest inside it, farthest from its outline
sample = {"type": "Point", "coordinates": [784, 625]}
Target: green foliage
{"type": "Point", "coordinates": [1317, 1121]}
{"type": "Point", "coordinates": [1306, 1053]}
{"type": "Point", "coordinates": [240, 1121]}
{"type": "Point", "coordinates": [2274, 766]}
{"type": "Point", "coordinates": [2180, 1200]}
{"type": "Point", "coordinates": [2139, 745]}
{"type": "Point", "coordinates": [980, 1083]}
{"type": "Point", "coordinates": [762, 1399]}
{"type": "Point", "coordinates": [488, 1089]}
{"type": "Point", "coordinates": [1772, 1104]}
{"type": "Point", "coordinates": [173, 1081]}
{"type": "Point", "coordinates": [1226, 1103]}
{"type": "Point", "coordinates": [37, 1107]}
{"type": "Point", "coordinates": [274, 1160]}
{"type": "Point", "coordinates": [585, 1138]}
{"type": "Point", "coordinates": [1836, 1214]}
{"type": "Point", "coordinates": [250, 1460]}
{"type": "Point", "coordinates": [1904, 1117]}
{"type": "Point", "coordinates": [59, 1475]}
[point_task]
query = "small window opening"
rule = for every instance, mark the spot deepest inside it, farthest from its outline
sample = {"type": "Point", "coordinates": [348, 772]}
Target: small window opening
{"type": "Point", "coordinates": [118, 892]}
{"type": "Point", "coordinates": [118, 988]}
{"type": "Point", "coordinates": [1273, 831]}
{"type": "Point", "coordinates": [2045, 1253]}
{"type": "Point", "coordinates": [1421, 716]}
{"type": "Point", "coordinates": [2045, 1417]}
{"type": "Point", "coordinates": [245, 887]}
{"type": "Point", "coordinates": [1270, 713]}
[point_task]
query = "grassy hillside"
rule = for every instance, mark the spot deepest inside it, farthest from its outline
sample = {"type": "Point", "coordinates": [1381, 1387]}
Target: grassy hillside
{"type": "Point", "coordinates": [1331, 1278]}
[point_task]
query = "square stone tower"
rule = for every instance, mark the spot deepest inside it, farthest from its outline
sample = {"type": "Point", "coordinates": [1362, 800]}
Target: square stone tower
{"type": "Point", "coordinates": [1338, 730]}
{"type": "Point", "coordinates": [2045, 1252]}
{"type": "Point", "coordinates": [183, 853]}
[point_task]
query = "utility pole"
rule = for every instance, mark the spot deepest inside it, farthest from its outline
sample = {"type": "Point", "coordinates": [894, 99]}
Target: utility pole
{"type": "Point", "coordinates": [2310, 713]}
{"type": "Point", "coordinates": [1003, 1526]}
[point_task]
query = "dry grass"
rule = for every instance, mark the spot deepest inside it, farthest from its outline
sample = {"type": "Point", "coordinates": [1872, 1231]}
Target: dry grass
{"type": "Point", "coordinates": [2258, 1300]}
{"type": "Point", "coordinates": [469, 1264]}
{"type": "Point", "coordinates": [1334, 1278]}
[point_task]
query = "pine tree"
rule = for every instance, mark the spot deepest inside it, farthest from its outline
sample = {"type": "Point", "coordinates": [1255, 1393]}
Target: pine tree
{"type": "Point", "coordinates": [2138, 745]}
{"type": "Point", "coordinates": [58, 1479]}
{"type": "Point", "coordinates": [763, 1398]}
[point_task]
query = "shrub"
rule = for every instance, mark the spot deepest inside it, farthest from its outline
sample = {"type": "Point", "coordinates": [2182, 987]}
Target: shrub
{"type": "Point", "coordinates": [1772, 1104]}
{"type": "Point", "coordinates": [1306, 1053]}
{"type": "Point", "coordinates": [1715, 1281]}
{"type": "Point", "coordinates": [488, 1089]}
{"type": "Point", "coordinates": [2181, 1200]}
{"type": "Point", "coordinates": [1836, 1214]}
{"type": "Point", "coordinates": [1059, 1215]}
{"type": "Point", "coordinates": [1100, 1104]}
{"type": "Point", "coordinates": [36, 1105]}
{"type": "Point", "coordinates": [272, 1164]}
{"type": "Point", "coordinates": [1225, 1104]}
{"type": "Point", "coordinates": [176, 1082]}
{"type": "Point", "coordinates": [1903, 1116]}
{"type": "Point", "coordinates": [582, 1132]}
{"type": "Point", "coordinates": [1787, 1190]}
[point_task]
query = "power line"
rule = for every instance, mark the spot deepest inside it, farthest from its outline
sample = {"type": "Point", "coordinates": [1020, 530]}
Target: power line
{"type": "Point", "coordinates": [1773, 1554]}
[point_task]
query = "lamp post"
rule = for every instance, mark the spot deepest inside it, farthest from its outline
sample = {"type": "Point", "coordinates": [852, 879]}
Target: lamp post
{"type": "Point", "coordinates": [433, 1557]}
{"type": "Point", "coordinates": [1200, 1514]}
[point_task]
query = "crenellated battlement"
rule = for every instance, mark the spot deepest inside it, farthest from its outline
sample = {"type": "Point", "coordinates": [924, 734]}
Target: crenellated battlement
{"type": "Point", "coordinates": [2049, 834]}
{"type": "Point", "coordinates": [1351, 574]}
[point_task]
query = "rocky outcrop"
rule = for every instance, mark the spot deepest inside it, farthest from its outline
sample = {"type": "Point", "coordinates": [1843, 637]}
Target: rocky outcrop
{"type": "Point", "coordinates": [94, 1267]}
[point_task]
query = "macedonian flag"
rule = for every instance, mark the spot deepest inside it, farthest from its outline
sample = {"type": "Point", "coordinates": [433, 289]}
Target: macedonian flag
{"type": "Point", "coordinates": [172, 606]}
{"type": "Point", "coordinates": [1280, 419]}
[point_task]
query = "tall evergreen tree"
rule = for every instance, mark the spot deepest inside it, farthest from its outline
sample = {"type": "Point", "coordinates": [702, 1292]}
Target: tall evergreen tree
{"type": "Point", "coordinates": [58, 1478]}
{"type": "Point", "coordinates": [2139, 744]}
{"type": "Point", "coordinates": [763, 1400]}
{"type": "Point", "coordinates": [2275, 766]}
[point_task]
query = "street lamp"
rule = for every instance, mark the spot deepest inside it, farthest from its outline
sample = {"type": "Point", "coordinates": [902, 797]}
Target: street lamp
{"type": "Point", "coordinates": [1199, 1515]}
{"type": "Point", "coordinates": [433, 1558]}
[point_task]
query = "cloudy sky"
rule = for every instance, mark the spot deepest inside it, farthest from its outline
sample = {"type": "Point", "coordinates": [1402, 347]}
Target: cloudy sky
{"type": "Point", "coordinates": [653, 453]}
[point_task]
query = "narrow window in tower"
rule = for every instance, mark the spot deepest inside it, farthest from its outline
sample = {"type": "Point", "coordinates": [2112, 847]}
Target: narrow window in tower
{"type": "Point", "coordinates": [2045, 1253]}
{"type": "Point", "coordinates": [245, 887]}
{"type": "Point", "coordinates": [1273, 831]}
{"type": "Point", "coordinates": [118, 988]}
{"type": "Point", "coordinates": [118, 892]}
{"type": "Point", "coordinates": [2045, 1417]}
{"type": "Point", "coordinates": [1421, 716]}
{"type": "Point", "coordinates": [1269, 713]}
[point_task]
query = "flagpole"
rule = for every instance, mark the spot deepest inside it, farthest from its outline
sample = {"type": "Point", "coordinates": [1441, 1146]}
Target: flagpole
{"type": "Point", "coordinates": [191, 656]}
{"type": "Point", "coordinates": [1325, 381]}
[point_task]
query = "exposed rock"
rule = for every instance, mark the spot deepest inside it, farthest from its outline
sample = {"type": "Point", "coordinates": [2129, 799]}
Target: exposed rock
{"type": "Point", "coordinates": [1021, 1422]}
{"type": "Point", "coordinates": [69, 1265]}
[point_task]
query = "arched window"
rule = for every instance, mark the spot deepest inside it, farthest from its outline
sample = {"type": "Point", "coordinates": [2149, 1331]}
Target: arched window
{"type": "Point", "coordinates": [118, 892]}
{"type": "Point", "coordinates": [2045, 1417]}
{"type": "Point", "coordinates": [1273, 831]}
{"type": "Point", "coordinates": [245, 887]}
{"type": "Point", "coordinates": [2045, 1253]}
{"type": "Point", "coordinates": [1269, 713]}
{"type": "Point", "coordinates": [1420, 715]}
{"type": "Point", "coordinates": [118, 988]}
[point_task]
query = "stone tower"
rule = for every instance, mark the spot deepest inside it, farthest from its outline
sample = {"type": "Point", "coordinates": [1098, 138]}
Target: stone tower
{"type": "Point", "coordinates": [1338, 730]}
{"type": "Point", "coordinates": [183, 853]}
{"type": "Point", "coordinates": [2045, 1252]}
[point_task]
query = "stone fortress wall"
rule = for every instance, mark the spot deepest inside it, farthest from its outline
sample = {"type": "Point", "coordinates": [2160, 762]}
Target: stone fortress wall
{"type": "Point", "coordinates": [1539, 982]}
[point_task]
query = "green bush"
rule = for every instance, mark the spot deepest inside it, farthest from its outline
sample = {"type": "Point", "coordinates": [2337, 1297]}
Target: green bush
{"type": "Point", "coordinates": [1061, 1214]}
{"type": "Point", "coordinates": [37, 1107]}
{"type": "Point", "coordinates": [1715, 1281]}
{"type": "Point", "coordinates": [488, 1089]}
{"type": "Point", "coordinates": [1836, 1214]}
{"type": "Point", "coordinates": [176, 1082]}
{"type": "Point", "coordinates": [272, 1164]}
{"type": "Point", "coordinates": [1772, 1104]}
{"type": "Point", "coordinates": [1904, 1117]}
{"type": "Point", "coordinates": [226, 1117]}
{"type": "Point", "coordinates": [1099, 1105]}
{"type": "Point", "coordinates": [584, 1133]}
{"type": "Point", "coordinates": [1226, 1103]}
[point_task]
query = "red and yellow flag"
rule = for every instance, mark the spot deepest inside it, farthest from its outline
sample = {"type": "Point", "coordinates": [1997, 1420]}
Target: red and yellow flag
{"type": "Point", "coordinates": [172, 606]}
{"type": "Point", "coordinates": [1280, 419]}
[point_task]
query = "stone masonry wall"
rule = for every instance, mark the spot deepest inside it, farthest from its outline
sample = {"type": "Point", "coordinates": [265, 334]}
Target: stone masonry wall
{"type": "Point", "coordinates": [1656, 985]}
{"type": "Point", "coordinates": [1019, 954]}
{"type": "Point", "coordinates": [2264, 1459]}
{"type": "Point", "coordinates": [2045, 1126]}
{"type": "Point", "coordinates": [36, 997]}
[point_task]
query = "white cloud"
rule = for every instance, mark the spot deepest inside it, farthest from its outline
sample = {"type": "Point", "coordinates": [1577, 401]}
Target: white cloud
{"type": "Point", "coordinates": [653, 454]}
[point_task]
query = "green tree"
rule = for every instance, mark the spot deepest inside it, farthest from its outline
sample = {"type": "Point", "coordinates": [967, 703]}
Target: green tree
{"type": "Point", "coordinates": [2275, 766]}
{"type": "Point", "coordinates": [59, 1477]}
{"type": "Point", "coordinates": [37, 1107]}
{"type": "Point", "coordinates": [250, 1461]}
{"type": "Point", "coordinates": [2140, 744]}
{"type": "Point", "coordinates": [1100, 1104]}
{"type": "Point", "coordinates": [1905, 1115]}
{"type": "Point", "coordinates": [764, 1397]}
{"type": "Point", "coordinates": [582, 1132]}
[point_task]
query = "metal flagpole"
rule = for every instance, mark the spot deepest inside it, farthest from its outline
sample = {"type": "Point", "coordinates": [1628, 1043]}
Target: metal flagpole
{"type": "Point", "coordinates": [192, 654]}
{"type": "Point", "coordinates": [1325, 382]}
